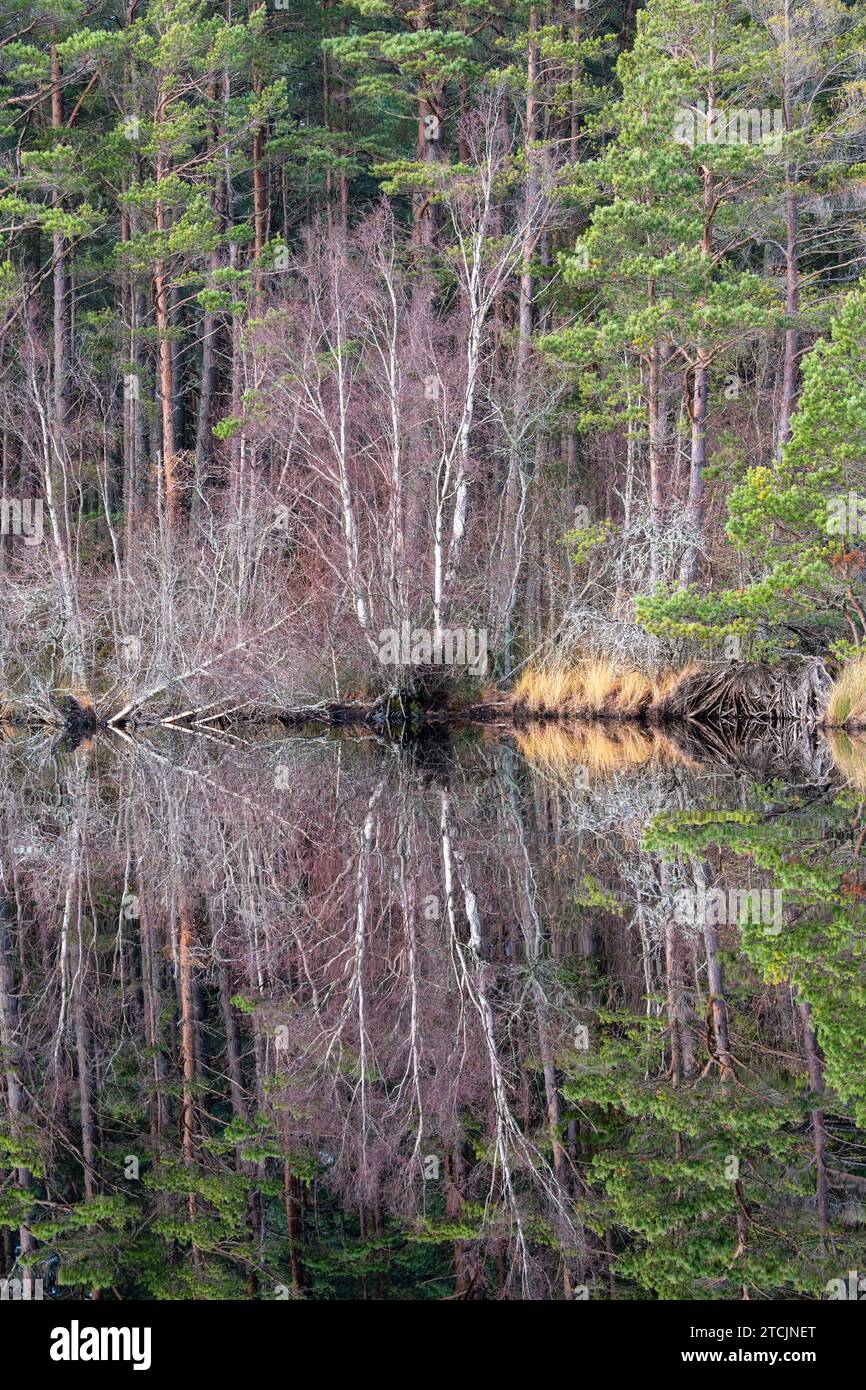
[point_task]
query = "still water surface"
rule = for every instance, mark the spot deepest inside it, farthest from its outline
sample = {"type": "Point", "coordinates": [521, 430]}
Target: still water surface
{"type": "Point", "coordinates": [488, 1016]}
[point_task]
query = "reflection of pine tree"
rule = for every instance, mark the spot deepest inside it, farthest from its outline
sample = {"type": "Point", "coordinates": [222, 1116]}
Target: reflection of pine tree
{"type": "Point", "coordinates": [779, 1221]}
{"type": "Point", "coordinates": [705, 1187]}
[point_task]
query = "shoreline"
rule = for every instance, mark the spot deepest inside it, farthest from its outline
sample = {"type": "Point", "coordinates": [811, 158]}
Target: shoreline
{"type": "Point", "coordinates": [801, 693]}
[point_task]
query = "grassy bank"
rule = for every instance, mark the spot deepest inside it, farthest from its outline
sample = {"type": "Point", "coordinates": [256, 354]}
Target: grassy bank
{"type": "Point", "coordinates": [594, 688]}
{"type": "Point", "coordinates": [733, 693]}
{"type": "Point", "coordinates": [846, 706]}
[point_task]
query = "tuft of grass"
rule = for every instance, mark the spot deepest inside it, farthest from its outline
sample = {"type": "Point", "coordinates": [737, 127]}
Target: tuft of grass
{"type": "Point", "coordinates": [847, 702]}
{"type": "Point", "coordinates": [594, 686]}
{"type": "Point", "coordinates": [598, 686]}
{"type": "Point", "coordinates": [585, 688]}
{"type": "Point", "coordinates": [668, 681]}
{"type": "Point", "coordinates": [635, 693]}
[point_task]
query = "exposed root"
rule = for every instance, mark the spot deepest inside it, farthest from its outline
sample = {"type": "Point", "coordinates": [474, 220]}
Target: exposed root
{"type": "Point", "coordinates": [742, 694]}
{"type": "Point", "coordinates": [737, 693]}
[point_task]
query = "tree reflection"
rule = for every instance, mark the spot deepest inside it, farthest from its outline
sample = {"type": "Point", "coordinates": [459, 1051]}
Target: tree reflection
{"type": "Point", "coordinates": [321, 1018]}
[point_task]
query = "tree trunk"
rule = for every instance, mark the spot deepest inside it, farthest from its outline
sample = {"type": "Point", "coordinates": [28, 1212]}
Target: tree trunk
{"type": "Point", "coordinates": [187, 1039]}
{"type": "Point", "coordinates": [12, 1059]}
{"type": "Point", "coordinates": [790, 372]}
{"type": "Point", "coordinates": [516, 485]}
{"type": "Point", "coordinates": [260, 210]}
{"type": "Point", "coordinates": [819, 1132]}
{"type": "Point", "coordinates": [431, 148]}
{"type": "Point", "coordinates": [162, 303]}
{"type": "Point", "coordinates": [59, 258]}
{"type": "Point", "coordinates": [697, 465]}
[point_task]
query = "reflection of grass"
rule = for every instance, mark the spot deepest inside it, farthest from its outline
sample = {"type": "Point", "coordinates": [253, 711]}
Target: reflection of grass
{"type": "Point", "coordinates": [593, 686]}
{"type": "Point", "coordinates": [849, 755]}
{"type": "Point", "coordinates": [554, 747]}
{"type": "Point", "coordinates": [847, 702]}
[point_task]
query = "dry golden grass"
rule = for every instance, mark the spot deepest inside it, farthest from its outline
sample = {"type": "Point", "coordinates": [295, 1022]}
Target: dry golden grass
{"type": "Point", "coordinates": [669, 680]}
{"type": "Point", "coordinates": [538, 684]}
{"type": "Point", "coordinates": [847, 702]}
{"type": "Point", "coordinates": [598, 686]}
{"type": "Point", "coordinates": [635, 693]}
{"type": "Point", "coordinates": [586, 687]}
{"type": "Point", "coordinates": [592, 686]}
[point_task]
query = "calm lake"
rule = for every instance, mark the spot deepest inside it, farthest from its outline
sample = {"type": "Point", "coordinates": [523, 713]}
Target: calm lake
{"type": "Point", "coordinates": [567, 1013]}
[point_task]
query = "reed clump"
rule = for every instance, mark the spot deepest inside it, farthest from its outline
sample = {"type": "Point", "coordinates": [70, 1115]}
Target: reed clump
{"type": "Point", "coordinates": [593, 687]}
{"type": "Point", "coordinates": [846, 705]}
